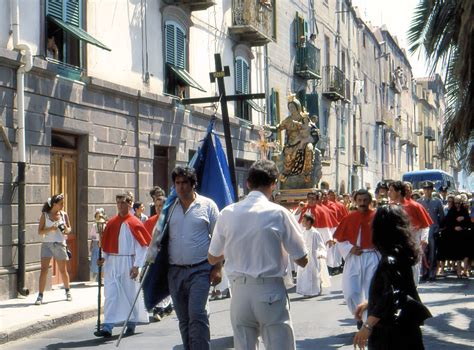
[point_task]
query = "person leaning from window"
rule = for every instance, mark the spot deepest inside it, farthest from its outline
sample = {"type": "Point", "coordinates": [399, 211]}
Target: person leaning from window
{"type": "Point", "coordinates": [391, 236]}
{"type": "Point", "coordinates": [54, 225]}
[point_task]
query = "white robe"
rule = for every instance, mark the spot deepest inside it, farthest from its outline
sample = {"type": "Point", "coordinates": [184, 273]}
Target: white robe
{"type": "Point", "coordinates": [334, 258]}
{"type": "Point", "coordinates": [119, 289]}
{"type": "Point", "coordinates": [358, 273]}
{"type": "Point", "coordinates": [420, 235]}
{"type": "Point", "coordinates": [314, 275]}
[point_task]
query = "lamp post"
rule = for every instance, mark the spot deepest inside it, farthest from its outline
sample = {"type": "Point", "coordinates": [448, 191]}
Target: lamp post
{"type": "Point", "coordinates": [100, 222]}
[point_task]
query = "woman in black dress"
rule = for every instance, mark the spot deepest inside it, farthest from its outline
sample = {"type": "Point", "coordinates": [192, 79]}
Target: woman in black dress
{"type": "Point", "coordinates": [457, 230]}
{"type": "Point", "coordinates": [393, 278]}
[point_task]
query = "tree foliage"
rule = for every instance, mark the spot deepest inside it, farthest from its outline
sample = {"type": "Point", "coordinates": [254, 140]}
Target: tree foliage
{"type": "Point", "coordinates": [443, 30]}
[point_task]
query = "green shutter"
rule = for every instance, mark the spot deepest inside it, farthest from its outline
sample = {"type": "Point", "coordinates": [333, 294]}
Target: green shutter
{"type": "Point", "coordinates": [169, 44]}
{"type": "Point", "coordinates": [301, 96]}
{"type": "Point", "coordinates": [238, 76]}
{"type": "Point", "coordinates": [180, 47]}
{"type": "Point", "coordinates": [274, 108]}
{"type": "Point", "coordinates": [54, 8]}
{"type": "Point", "coordinates": [245, 77]}
{"type": "Point", "coordinates": [73, 12]}
{"type": "Point", "coordinates": [300, 29]}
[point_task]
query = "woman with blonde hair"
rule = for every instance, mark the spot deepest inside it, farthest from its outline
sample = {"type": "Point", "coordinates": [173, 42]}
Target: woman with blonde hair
{"type": "Point", "coordinates": [54, 225]}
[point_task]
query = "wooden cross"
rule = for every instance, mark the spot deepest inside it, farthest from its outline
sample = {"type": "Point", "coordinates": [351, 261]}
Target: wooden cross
{"type": "Point", "coordinates": [219, 75]}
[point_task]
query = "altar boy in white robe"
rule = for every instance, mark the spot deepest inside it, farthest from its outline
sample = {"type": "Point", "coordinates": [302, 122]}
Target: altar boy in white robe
{"type": "Point", "coordinates": [314, 276]}
{"type": "Point", "coordinates": [124, 243]}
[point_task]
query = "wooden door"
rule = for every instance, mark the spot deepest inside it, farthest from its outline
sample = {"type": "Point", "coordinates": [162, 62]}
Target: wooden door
{"type": "Point", "coordinates": [64, 180]}
{"type": "Point", "coordinates": [160, 167]}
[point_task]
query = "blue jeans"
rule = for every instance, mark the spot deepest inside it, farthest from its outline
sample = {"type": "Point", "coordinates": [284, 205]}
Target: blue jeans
{"type": "Point", "coordinates": [109, 326]}
{"type": "Point", "coordinates": [189, 289]}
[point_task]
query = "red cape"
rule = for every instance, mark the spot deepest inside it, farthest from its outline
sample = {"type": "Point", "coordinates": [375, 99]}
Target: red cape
{"type": "Point", "coordinates": [110, 237]}
{"type": "Point", "coordinates": [348, 229]}
{"type": "Point", "coordinates": [338, 209]}
{"type": "Point", "coordinates": [150, 223]}
{"type": "Point", "coordinates": [321, 218]}
{"type": "Point", "coordinates": [419, 217]}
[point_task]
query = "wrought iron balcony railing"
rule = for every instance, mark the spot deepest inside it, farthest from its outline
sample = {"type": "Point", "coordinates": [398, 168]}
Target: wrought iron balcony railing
{"type": "Point", "coordinates": [333, 83]}
{"type": "Point", "coordinates": [252, 21]}
{"type": "Point", "coordinates": [308, 62]}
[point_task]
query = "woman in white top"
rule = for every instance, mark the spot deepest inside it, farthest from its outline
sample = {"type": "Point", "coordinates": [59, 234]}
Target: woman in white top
{"type": "Point", "coordinates": [54, 226]}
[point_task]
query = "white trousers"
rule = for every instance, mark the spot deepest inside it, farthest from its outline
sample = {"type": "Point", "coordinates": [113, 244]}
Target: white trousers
{"type": "Point", "coordinates": [260, 307]}
{"type": "Point", "coordinates": [356, 278]}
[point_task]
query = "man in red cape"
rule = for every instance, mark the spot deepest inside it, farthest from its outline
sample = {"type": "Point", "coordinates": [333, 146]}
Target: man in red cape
{"type": "Point", "coordinates": [124, 244]}
{"type": "Point", "coordinates": [354, 241]}
{"type": "Point", "coordinates": [342, 210]}
{"type": "Point", "coordinates": [419, 218]}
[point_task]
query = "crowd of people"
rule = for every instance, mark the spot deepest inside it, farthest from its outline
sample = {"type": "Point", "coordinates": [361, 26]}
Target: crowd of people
{"type": "Point", "coordinates": [384, 243]}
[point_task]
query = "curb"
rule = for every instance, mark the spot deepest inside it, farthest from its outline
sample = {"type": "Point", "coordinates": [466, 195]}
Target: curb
{"type": "Point", "coordinates": [46, 325]}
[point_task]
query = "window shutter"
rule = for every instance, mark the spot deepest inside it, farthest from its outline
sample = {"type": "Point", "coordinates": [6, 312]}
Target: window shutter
{"type": "Point", "coordinates": [301, 29]}
{"type": "Point", "coordinates": [55, 8]}
{"type": "Point", "coordinates": [245, 77]}
{"type": "Point", "coordinates": [275, 108]}
{"type": "Point", "coordinates": [73, 12]}
{"type": "Point", "coordinates": [312, 104]}
{"type": "Point", "coordinates": [180, 48]}
{"type": "Point", "coordinates": [238, 76]}
{"type": "Point", "coordinates": [169, 44]}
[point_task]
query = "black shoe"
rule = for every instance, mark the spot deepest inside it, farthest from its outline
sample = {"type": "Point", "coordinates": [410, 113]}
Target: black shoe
{"type": "Point", "coordinates": [359, 324]}
{"type": "Point", "coordinates": [168, 310]}
{"type": "Point", "coordinates": [103, 333]}
{"type": "Point", "coordinates": [129, 331]}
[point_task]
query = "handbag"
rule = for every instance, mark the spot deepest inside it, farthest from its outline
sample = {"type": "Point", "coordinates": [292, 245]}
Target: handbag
{"type": "Point", "coordinates": [412, 311]}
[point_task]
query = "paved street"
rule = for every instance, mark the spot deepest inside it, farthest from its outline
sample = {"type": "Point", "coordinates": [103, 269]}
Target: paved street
{"type": "Point", "coordinates": [320, 323]}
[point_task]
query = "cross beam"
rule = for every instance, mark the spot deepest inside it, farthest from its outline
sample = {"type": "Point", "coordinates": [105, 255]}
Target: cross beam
{"type": "Point", "coordinates": [239, 97]}
{"type": "Point", "coordinates": [219, 75]}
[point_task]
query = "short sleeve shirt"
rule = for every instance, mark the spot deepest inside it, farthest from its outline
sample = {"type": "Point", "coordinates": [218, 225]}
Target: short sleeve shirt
{"type": "Point", "coordinates": [256, 236]}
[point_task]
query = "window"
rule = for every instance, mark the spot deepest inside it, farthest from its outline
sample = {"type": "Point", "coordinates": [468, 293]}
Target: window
{"type": "Point", "coordinates": [342, 136]}
{"type": "Point", "coordinates": [177, 77]}
{"type": "Point", "coordinates": [324, 123]}
{"type": "Point", "coordinates": [242, 86]}
{"type": "Point", "coordinates": [64, 33]}
{"type": "Point", "coordinates": [343, 61]}
{"type": "Point", "coordinates": [274, 19]}
{"type": "Point", "coordinates": [327, 50]}
{"type": "Point", "coordinates": [275, 108]}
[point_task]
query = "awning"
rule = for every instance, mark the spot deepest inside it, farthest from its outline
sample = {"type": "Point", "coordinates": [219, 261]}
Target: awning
{"type": "Point", "coordinates": [77, 32]}
{"type": "Point", "coordinates": [255, 106]}
{"type": "Point", "coordinates": [185, 77]}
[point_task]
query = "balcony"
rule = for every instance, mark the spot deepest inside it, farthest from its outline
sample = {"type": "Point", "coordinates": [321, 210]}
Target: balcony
{"type": "Point", "coordinates": [333, 83]}
{"type": "Point", "coordinates": [194, 5]}
{"type": "Point", "coordinates": [66, 70]}
{"type": "Point", "coordinates": [308, 62]}
{"type": "Point", "coordinates": [386, 118]}
{"type": "Point", "coordinates": [325, 148]}
{"type": "Point", "coordinates": [360, 157]}
{"type": "Point", "coordinates": [397, 127]}
{"type": "Point", "coordinates": [406, 135]}
{"type": "Point", "coordinates": [429, 133]}
{"type": "Point", "coordinates": [252, 21]}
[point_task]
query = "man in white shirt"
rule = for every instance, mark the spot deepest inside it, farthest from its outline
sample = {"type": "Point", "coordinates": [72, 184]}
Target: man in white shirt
{"type": "Point", "coordinates": [255, 237]}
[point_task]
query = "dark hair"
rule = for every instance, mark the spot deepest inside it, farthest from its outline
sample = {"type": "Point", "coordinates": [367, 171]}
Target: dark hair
{"type": "Point", "coordinates": [392, 233]}
{"type": "Point", "coordinates": [406, 184]}
{"type": "Point", "coordinates": [186, 172]}
{"type": "Point", "coordinates": [51, 201]}
{"type": "Point", "coordinates": [262, 173]}
{"type": "Point", "coordinates": [157, 191]}
{"type": "Point", "coordinates": [362, 192]}
{"type": "Point", "coordinates": [381, 185]}
{"type": "Point", "coordinates": [309, 217]}
{"type": "Point", "coordinates": [125, 195]}
{"type": "Point", "coordinates": [398, 186]}
{"type": "Point", "coordinates": [137, 205]}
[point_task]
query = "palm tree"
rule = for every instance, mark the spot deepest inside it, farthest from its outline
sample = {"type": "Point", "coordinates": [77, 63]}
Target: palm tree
{"type": "Point", "coordinates": [444, 30]}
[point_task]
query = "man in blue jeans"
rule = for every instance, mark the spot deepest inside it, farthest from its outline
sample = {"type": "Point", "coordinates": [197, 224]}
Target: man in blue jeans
{"type": "Point", "coordinates": [190, 275]}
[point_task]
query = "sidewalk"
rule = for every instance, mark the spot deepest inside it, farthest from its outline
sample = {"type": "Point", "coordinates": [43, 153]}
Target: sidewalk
{"type": "Point", "coordinates": [20, 318]}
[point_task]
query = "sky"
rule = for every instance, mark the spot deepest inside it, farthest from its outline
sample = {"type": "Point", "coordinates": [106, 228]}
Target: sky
{"type": "Point", "coordinates": [396, 15]}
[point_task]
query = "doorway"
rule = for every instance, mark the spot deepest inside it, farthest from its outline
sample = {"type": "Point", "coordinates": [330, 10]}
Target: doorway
{"type": "Point", "coordinates": [63, 172]}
